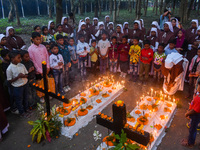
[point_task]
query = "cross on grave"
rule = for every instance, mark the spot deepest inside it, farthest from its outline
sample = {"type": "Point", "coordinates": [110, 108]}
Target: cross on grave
{"type": "Point", "coordinates": [119, 122]}
{"type": "Point", "coordinates": [46, 91]}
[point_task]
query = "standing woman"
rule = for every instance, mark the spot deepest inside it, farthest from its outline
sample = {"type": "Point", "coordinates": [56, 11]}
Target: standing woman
{"type": "Point", "coordinates": [136, 31]}
{"type": "Point", "coordinates": [181, 43]}
{"type": "Point", "coordinates": [110, 30]}
{"type": "Point", "coordinates": [126, 28]}
{"type": "Point", "coordinates": [51, 27]}
{"type": "Point", "coordinates": [66, 27]}
{"type": "Point", "coordinates": [175, 25]}
{"type": "Point", "coordinates": [191, 32]}
{"type": "Point", "coordinates": [118, 33]}
{"type": "Point", "coordinates": [155, 25]}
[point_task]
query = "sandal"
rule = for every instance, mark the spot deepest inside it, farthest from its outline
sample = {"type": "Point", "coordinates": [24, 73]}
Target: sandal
{"type": "Point", "coordinates": [184, 143]}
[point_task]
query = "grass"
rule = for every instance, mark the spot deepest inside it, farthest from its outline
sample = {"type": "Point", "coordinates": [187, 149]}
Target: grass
{"type": "Point", "coordinates": [28, 23]}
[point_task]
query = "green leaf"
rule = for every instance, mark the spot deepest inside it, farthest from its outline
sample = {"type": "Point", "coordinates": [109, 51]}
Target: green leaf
{"type": "Point", "coordinates": [133, 146]}
{"type": "Point", "coordinates": [35, 133]}
{"type": "Point", "coordinates": [43, 131]}
{"type": "Point", "coordinates": [34, 129]}
{"type": "Point", "coordinates": [39, 136]}
{"type": "Point", "coordinates": [30, 122]}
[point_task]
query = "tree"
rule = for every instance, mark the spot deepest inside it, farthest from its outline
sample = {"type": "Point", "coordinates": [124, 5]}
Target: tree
{"type": "Point", "coordinates": [81, 7]}
{"type": "Point", "coordinates": [66, 7]}
{"type": "Point", "coordinates": [11, 12]}
{"type": "Point", "coordinates": [49, 2]}
{"type": "Point", "coordinates": [190, 8]}
{"type": "Point", "coordinates": [174, 4]}
{"type": "Point", "coordinates": [99, 4]}
{"type": "Point", "coordinates": [38, 8]}
{"type": "Point", "coordinates": [145, 7]}
{"type": "Point", "coordinates": [22, 8]}
{"type": "Point", "coordinates": [16, 12]}
{"type": "Point", "coordinates": [183, 10]}
{"type": "Point", "coordinates": [3, 15]}
{"type": "Point", "coordinates": [59, 11]}
{"type": "Point", "coordinates": [114, 13]}
{"type": "Point", "coordinates": [198, 7]}
{"type": "Point", "coordinates": [138, 9]}
{"type": "Point", "coordinates": [161, 7]}
{"type": "Point", "coordinates": [111, 6]}
{"type": "Point", "coordinates": [129, 6]}
{"type": "Point", "coordinates": [118, 8]}
{"type": "Point", "coordinates": [156, 7]}
{"type": "Point", "coordinates": [96, 8]}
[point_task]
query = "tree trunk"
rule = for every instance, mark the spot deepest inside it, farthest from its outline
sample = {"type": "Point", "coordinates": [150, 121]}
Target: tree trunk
{"type": "Point", "coordinates": [190, 8]}
{"type": "Point", "coordinates": [138, 13]}
{"type": "Point", "coordinates": [81, 7]}
{"type": "Point", "coordinates": [11, 12]}
{"type": "Point", "coordinates": [111, 6]}
{"type": "Point", "coordinates": [118, 8]}
{"type": "Point", "coordinates": [146, 7]}
{"type": "Point", "coordinates": [91, 6]}
{"type": "Point", "coordinates": [136, 7]}
{"type": "Point", "coordinates": [96, 8]}
{"type": "Point", "coordinates": [161, 7]}
{"type": "Point", "coordinates": [174, 4]}
{"type": "Point", "coordinates": [54, 6]}
{"type": "Point", "coordinates": [50, 8]}
{"type": "Point", "coordinates": [38, 8]}
{"type": "Point", "coordinates": [114, 12]}
{"type": "Point", "coordinates": [85, 8]}
{"type": "Point", "coordinates": [66, 9]}
{"type": "Point", "coordinates": [59, 11]}
{"type": "Point", "coordinates": [3, 15]}
{"type": "Point", "coordinates": [129, 6]}
{"type": "Point", "coordinates": [156, 7]}
{"type": "Point", "coordinates": [198, 7]}
{"type": "Point", "coordinates": [99, 5]}
{"type": "Point", "coordinates": [106, 5]}
{"type": "Point", "coordinates": [183, 11]}
{"type": "Point", "coordinates": [22, 8]}
{"type": "Point", "coordinates": [72, 5]}
{"type": "Point", "coordinates": [16, 12]}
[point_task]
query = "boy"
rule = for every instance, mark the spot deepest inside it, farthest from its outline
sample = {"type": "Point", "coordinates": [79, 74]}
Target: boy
{"type": "Point", "coordinates": [38, 53]}
{"type": "Point", "coordinates": [32, 98]}
{"type": "Point", "coordinates": [94, 57]}
{"type": "Point", "coordinates": [134, 52]}
{"type": "Point", "coordinates": [145, 61]}
{"type": "Point", "coordinates": [113, 55]}
{"type": "Point", "coordinates": [159, 57]}
{"type": "Point", "coordinates": [82, 50]}
{"type": "Point", "coordinates": [171, 48]}
{"type": "Point", "coordinates": [123, 51]}
{"type": "Point", "coordinates": [57, 63]}
{"type": "Point", "coordinates": [59, 31]}
{"type": "Point", "coordinates": [17, 76]}
{"type": "Point", "coordinates": [63, 50]}
{"type": "Point", "coordinates": [74, 59]}
{"type": "Point", "coordinates": [103, 46]}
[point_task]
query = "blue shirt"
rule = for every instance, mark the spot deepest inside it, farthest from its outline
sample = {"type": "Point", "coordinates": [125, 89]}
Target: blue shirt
{"type": "Point", "coordinates": [162, 21]}
{"type": "Point", "coordinates": [169, 51]}
{"type": "Point", "coordinates": [63, 50]}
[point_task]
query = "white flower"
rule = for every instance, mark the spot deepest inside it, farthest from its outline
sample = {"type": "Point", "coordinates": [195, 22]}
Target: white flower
{"type": "Point", "coordinates": [97, 135]}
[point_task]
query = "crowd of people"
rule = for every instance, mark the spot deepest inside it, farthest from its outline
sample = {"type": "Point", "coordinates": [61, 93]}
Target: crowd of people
{"type": "Point", "coordinates": [97, 45]}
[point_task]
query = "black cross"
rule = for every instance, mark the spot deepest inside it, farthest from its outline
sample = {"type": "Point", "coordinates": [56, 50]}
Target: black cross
{"type": "Point", "coordinates": [46, 91]}
{"type": "Point", "coordinates": [118, 124]}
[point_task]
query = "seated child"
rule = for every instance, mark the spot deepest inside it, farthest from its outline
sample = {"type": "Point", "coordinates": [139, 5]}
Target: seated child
{"type": "Point", "coordinates": [134, 52]}
{"type": "Point", "coordinates": [94, 57]}
{"type": "Point", "coordinates": [82, 50]}
{"type": "Point", "coordinates": [17, 75]}
{"type": "Point", "coordinates": [63, 50]}
{"type": "Point", "coordinates": [57, 63]}
{"type": "Point", "coordinates": [123, 51]}
{"type": "Point", "coordinates": [145, 62]}
{"type": "Point", "coordinates": [159, 57]}
{"type": "Point", "coordinates": [47, 37]}
{"type": "Point", "coordinates": [113, 55]}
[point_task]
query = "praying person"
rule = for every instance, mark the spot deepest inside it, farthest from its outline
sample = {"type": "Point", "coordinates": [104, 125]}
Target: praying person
{"type": "Point", "coordinates": [181, 43]}
{"type": "Point", "coordinates": [126, 28]}
{"type": "Point", "coordinates": [94, 57]}
{"type": "Point", "coordinates": [153, 38]}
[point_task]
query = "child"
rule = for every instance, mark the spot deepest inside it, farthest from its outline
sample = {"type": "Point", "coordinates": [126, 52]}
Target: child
{"type": "Point", "coordinates": [3, 42]}
{"type": "Point", "coordinates": [32, 98]}
{"type": "Point", "coordinates": [37, 29]}
{"type": "Point", "coordinates": [82, 50]}
{"type": "Point", "coordinates": [74, 59]}
{"type": "Point", "coordinates": [38, 53]}
{"type": "Point", "coordinates": [153, 38]}
{"type": "Point", "coordinates": [159, 57]}
{"type": "Point", "coordinates": [17, 76]}
{"type": "Point", "coordinates": [194, 68]}
{"type": "Point", "coordinates": [94, 57]}
{"type": "Point", "coordinates": [57, 63]}
{"type": "Point", "coordinates": [47, 37]}
{"type": "Point", "coordinates": [103, 46]}
{"type": "Point", "coordinates": [113, 55]}
{"type": "Point", "coordinates": [123, 51]}
{"type": "Point", "coordinates": [47, 45]}
{"type": "Point", "coordinates": [134, 52]}
{"type": "Point", "coordinates": [145, 61]}
{"type": "Point", "coordinates": [59, 31]}
{"type": "Point", "coordinates": [171, 48]}
{"type": "Point", "coordinates": [51, 27]}
{"type": "Point", "coordinates": [63, 50]}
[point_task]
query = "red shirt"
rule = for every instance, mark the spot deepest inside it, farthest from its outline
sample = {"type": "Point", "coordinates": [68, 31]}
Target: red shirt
{"type": "Point", "coordinates": [123, 51]}
{"type": "Point", "coordinates": [195, 104]}
{"type": "Point", "coordinates": [113, 54]}
{"type": "Point", "coordinates": [148, 54]}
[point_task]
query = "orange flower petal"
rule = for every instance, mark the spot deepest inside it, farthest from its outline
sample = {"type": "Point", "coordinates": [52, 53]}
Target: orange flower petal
{"type": "Point", "coordinates": [29, 146]}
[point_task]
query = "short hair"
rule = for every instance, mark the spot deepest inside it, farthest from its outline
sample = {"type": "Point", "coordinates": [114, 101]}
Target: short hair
{"type": "Point", "coordinates": [45, 43]}
{"type": "Point", "coordinates": [173, 41]}
{"type": "Point", "coordinates": [93, 41]}
{"type": "Point", "coordinates": [71, 14]}
{"type": "Point", "coordinates": [125, 36]}
{"type": "Point", "coordinates": [59, 36]}
{"type": "Point", "coordinates": [104, 32]}
{"type": "Point", "coordinates": [80, 36]}
{"type": "Point", "coordinates": [136, 38]}
{"type": "Point", "coordinates": [4, 53]}
{"type": "Point", "coordinates": [71, 38]}
{"type": "Point", "coordinates": [44, 27]}
{"type": "Point", "coordinates": [114, 37]}
{"type": "Point", "coordinates": [147, 42]}
{"type": "Point", "coordinates": [161, 44]}
{"type": "Point", "coordinates": [54, 45]}
{"type": "Point", "coordinates": [58, 25]}
{"type": "Point", "coordinates": [35, 34]}
{"type": "Point", "coordinates": [35, 27]}
{"type": "Point", "coordinates": [13, 54]}
{"type": "Point", "coordinates": [23, 52]}
{"type": "Point", "coordinates": [165, 10]}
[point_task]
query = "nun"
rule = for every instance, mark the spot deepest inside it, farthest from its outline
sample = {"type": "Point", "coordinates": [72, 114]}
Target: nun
{"type": "Point", "coordinates": [107, 20]}
{"type": "Point", "coordinates": [118, 33]}
{"type": "Point", "coordinates": [110, 30]}
{"type": "Point", "coordinates": [66, 27]}
{"type": "Point", "coordinates": [175, 26]}
{"type": "Point", "coordinates": [191, 32]}
{"type": "Point", "coordinates": [126, 28]}
{"type": "Point", "coordinates": [51, 27]}
{"type": "Point", "coordinates": [155, 25]}
{"type": "Point", "coordinates": [153, 38]}
{"type": "Point", "coordinates": [82, 31]}
{"type": "Point", "coordinates": [136, 31]}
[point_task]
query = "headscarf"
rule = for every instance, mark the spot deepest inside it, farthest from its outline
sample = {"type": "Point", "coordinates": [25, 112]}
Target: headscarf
{"type": "Point", "coordinates": [177, 24]}
{"type": "Point", "coordinates": [138, 22]}
{"type": "Point", "coordinates": [179, 42]}
{"type": "Point", "coordinates": [2, 36]}
{"type": "Point", "coordinates": [172, 59]}
{"type": "Point", "coordinates": [80, 25]}
{"type": "Point", "coordinates": [142, 22]}
{"type": "Point", "coordinates": [119, 25]}
{"type": "Point", "coordinates": [87, 18]}
{"type": "Point", "coordinates": [95, 18]}
{"type": "Point", "coordinates": [7, 30]}
{"type": "Point", "coordinates": [125, 24]}
{"type": "Point", "coordinates": [196, 21]}
{"type": "Point", "coordinates": [109, 24]}
{"type": "Point", "coordinates": [156, 24]}
{"type": "Point", "coordinates": [198, 28]}
{"type": "Point", "coordinates": [101, 23]}
{"type": "Point", "coordinates": [155, 30]}
{"type": "Point", "coordinates": [62, 21]}
{"type": "Point", "coordinates": [170, 26]}
{"type": "Point", "coordinates": [107, 16]}
{"type": "Point", "coordinates": [49, 23]}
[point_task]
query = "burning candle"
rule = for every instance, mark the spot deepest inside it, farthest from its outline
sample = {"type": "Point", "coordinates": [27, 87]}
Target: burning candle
{"type": "Point", "coordinates": [151, 92]}
{"type": "Point", "coordinates": [137, 104]}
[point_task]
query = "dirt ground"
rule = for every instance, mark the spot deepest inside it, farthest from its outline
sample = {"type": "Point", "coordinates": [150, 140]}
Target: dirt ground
{"type": "Point", "coordinates": [18, 137]}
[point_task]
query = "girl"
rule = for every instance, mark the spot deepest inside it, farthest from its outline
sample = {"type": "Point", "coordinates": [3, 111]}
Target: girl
{"type": "Point", "coordinates": [181, 43]}
{"type": "Point", "coordinates": [175, 25]}
{"type": "Point", "coordinates": [82, 31]}
{"type": "Point", "coordinates": [153, 38]}
{"type": "Point", "coordinates": [126, 28]}
{"type": "Point", "coordinates": [88, 24]}
{"type": "Point", "coordinates": [94, 27]}
{"type": "Point", "coordinates": [51, 27]}
{"type": "Point", "coordinates": [154, 24]}
{"type": "Point", "coordinates": [46, 36]}
{"type": "Point", "coordinates": [110, 30]}
{"type": "Point", "coordinates": [66, 27]}
{"type": "Point", "coordinates": [37, 29]}
{"type": "Point", "coordinates": [119, 33]}
{"type": "Point", "coordinates": [107, 20]}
